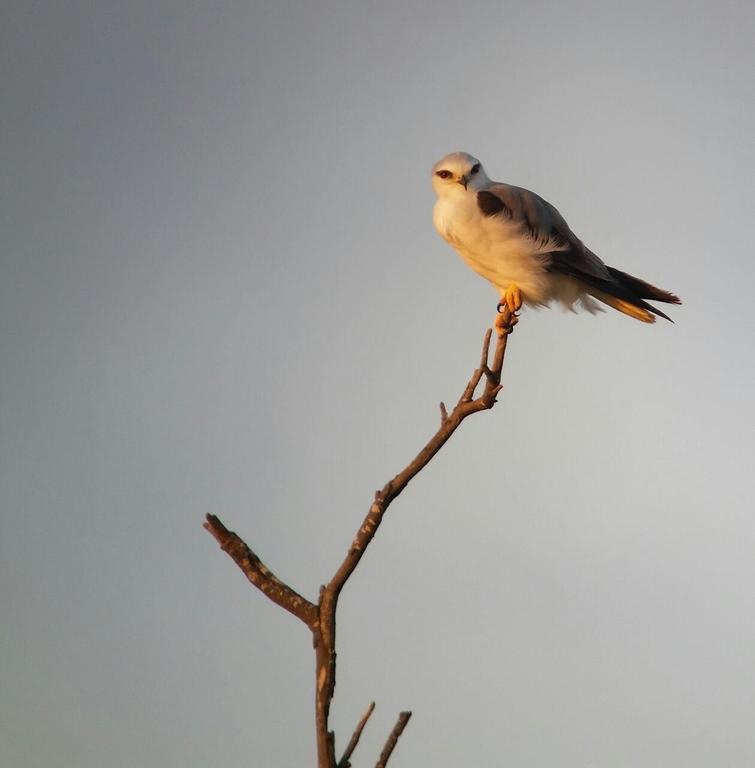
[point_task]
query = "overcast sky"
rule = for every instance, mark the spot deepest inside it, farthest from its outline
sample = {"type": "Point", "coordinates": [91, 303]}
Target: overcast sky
{"type": "Point", "coordinates": [221, 292]}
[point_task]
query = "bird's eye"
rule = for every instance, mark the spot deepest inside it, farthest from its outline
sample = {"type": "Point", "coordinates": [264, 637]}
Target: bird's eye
{"type": "Point", "coordinates": [443, 174]}
{"type": "Point", "coordinates": [475, 168]}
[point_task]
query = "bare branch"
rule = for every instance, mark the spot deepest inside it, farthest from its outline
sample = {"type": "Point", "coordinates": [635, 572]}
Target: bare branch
{"type": "Point", "coordinates": [260, 575]}
{"type": "Point", "coordinates": [351, 746]}
{"type": "Point", "coordinates": [390, 745]}
{"type": "Point", "coordinates": [321, 618]}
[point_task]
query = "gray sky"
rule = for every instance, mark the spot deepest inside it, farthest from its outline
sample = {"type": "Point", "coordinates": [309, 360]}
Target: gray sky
{"type": "Point", "coordinates": [222, 292]}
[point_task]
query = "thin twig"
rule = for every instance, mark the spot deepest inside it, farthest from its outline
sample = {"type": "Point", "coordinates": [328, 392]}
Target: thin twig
{"type": "Point", "coordinates": [390, 745]}
{"type": "Point", "coordinates": [351, 746]}
{"type": "Point", "coordinates": [469, 390]}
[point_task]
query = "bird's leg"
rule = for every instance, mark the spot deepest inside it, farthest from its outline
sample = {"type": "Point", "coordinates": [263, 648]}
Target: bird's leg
{"type": "Point", "coordinates": [510, 304]}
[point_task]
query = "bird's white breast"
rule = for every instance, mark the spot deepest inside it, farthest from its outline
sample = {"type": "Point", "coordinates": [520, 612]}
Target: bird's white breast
{"type": "Point", "coordinates": [493, 246]}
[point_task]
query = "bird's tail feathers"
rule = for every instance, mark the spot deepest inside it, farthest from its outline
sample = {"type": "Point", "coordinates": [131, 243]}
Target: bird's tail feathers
{"type": "Point", "coordinates": [628, 293]}
{"type": "Point", "coordinates": [642, 289]}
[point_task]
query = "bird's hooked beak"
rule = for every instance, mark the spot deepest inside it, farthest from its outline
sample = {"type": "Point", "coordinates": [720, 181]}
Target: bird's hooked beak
{"type": "Point", "coordinates": [464, 180]}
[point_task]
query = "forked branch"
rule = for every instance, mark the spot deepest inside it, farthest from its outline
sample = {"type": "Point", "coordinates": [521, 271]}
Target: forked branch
{"type": "Point", "coordinates": [321, 618]}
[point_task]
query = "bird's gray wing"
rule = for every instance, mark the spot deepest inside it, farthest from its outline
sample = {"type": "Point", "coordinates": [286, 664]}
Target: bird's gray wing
{"type": "Point", "coordinates": [541, 222]}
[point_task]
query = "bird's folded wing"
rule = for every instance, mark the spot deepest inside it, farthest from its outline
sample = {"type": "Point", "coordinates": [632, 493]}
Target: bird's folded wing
{"type": "Point", "coordinates": [542, 223]}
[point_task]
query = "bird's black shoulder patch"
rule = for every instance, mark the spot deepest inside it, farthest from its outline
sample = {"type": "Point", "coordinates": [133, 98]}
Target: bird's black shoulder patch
{"type": "Point", "coordinates": [490, 204]}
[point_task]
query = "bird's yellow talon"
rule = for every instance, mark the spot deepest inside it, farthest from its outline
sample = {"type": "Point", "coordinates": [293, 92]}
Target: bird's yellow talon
{"type": "Point", "coordinates": [510, 304]}
{"type": "Point", "coordinates": [513, 298]}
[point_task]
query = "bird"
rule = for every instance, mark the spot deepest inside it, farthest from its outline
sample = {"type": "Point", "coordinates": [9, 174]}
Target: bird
{"type": "Point", "coordinates": [524, 247]}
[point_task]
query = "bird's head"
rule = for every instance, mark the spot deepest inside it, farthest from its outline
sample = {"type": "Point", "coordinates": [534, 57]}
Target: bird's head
{"type": "Point", "coordinates": [458, 173]}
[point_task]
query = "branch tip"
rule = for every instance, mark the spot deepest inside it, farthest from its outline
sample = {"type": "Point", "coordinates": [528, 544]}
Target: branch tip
{"type": "Point", "coordinates": [393, 738]}
{"type": "Point", "coordinates": [486, 348]}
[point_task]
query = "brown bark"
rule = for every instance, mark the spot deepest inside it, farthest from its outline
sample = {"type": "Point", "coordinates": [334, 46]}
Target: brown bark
{"type": "Point", "coordinates": [321, 618]}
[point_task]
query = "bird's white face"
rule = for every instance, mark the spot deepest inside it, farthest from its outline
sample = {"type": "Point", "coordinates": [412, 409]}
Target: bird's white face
{"type": "Point", "coordinates": [458, 173]}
